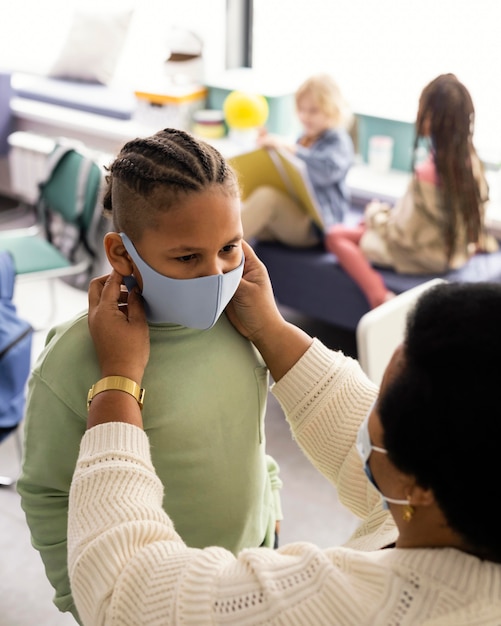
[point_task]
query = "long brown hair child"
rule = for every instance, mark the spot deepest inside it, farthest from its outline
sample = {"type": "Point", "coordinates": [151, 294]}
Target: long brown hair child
{"type": "Point", "coordinates": [439, 222]}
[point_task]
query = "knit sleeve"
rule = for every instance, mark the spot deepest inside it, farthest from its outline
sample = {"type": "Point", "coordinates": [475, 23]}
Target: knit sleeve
{"type": "Point", "coordinates": [128, 566]}
{"type": "Point", "coordinates": [325, 397]}
{"type": "Point", "coordinates": [115, 507]}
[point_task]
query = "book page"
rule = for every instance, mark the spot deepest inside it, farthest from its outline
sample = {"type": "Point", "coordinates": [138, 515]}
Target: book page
{"type": "Point", "coordinates": [276, 169]}
{"type": "Point", "coordinates": [296, 172]}
{"type": "Point", "coordinates": [255, 169]}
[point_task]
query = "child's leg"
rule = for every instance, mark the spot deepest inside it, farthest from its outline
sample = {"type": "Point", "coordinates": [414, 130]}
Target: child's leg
{"type": "Point", "coordinates": [343, 241]}
{"type": "Point", "coordinates": [271, 215]}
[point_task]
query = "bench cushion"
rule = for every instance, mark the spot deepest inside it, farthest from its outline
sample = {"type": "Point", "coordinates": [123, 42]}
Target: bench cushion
{"type": "Point", "coordinates": [90, 97]}
{"type": "Point", "coordinates": [311, 281]}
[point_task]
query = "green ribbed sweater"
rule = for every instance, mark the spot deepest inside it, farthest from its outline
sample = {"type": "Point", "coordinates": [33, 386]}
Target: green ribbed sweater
{"type": "Point", "coordinates": [206, 395]}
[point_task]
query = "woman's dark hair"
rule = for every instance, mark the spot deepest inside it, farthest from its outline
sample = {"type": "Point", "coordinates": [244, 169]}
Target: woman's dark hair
{"type": "Point", "coordinates": [446, 106]}
{"type": "Point", "coordinates": [171, 160]}
{"type": "Point", "coordinates": [441, 413]}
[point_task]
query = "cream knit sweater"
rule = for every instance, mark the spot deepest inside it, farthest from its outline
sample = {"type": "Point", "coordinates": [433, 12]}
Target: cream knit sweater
{"type": "Point", "coordinates": [129, 567]}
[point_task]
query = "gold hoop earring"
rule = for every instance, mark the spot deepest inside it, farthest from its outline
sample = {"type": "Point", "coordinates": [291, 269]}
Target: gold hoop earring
{"type": "Point", "coordinates": [408, 513]}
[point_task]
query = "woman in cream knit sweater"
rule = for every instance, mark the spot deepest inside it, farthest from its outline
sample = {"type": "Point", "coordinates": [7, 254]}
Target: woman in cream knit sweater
{"type": "Point", "coordinates": [428, 443]}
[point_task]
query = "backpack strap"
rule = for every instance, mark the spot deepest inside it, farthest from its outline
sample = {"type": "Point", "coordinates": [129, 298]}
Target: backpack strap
{"type": "Point", "coordinates": [7, 275]}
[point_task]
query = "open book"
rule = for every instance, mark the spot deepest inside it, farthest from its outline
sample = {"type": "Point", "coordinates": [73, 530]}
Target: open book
{"type": "Point", "coordinates": [278, 169]}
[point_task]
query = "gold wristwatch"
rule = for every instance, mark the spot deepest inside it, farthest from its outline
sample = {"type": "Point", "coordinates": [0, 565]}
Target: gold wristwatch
{"type": "Point", "coordinates": [118, 383]}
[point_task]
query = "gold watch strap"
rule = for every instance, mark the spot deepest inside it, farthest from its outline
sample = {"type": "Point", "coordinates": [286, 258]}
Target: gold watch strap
{"type": "Point", "coordinates": [118, 383]}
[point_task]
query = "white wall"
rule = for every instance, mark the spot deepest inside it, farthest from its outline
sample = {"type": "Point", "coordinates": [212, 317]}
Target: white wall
{"type": "Point", "coordinates": [383, 52]}
{"type": "Point", "coordinates": [32, 32]}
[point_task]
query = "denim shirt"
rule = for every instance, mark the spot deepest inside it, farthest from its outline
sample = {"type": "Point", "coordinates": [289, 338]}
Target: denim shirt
{"type": "Point", "coordinates": [328, 161]}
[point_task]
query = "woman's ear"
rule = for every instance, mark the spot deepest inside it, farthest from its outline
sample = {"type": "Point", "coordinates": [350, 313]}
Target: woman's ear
{"type": "Point", "coordinates": [117, 254]}
{"type": "Point", "coordinates": [419, 496]}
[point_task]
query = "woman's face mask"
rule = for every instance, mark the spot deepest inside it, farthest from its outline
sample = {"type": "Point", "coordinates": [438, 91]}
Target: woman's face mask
{"type": "Point", "coordinates": [192, 302]}
{"type": "Point", "coordinates": [365, 449]}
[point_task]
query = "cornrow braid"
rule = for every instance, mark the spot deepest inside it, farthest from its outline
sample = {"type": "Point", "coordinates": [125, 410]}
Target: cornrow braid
{"type": "Point", "coordinates": [172, 160]}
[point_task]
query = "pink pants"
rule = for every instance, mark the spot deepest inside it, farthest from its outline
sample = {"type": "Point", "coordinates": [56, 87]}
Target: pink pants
{"type": "Point", "coordinates": [343, 241]}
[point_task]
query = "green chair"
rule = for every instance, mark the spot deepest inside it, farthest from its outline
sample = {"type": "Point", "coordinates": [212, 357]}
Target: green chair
{"type": "Point", "coordinates": [68, 213]}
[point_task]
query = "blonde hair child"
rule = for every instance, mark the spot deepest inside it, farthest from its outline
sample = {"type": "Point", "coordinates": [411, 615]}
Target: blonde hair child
{"type": "Point", "coordinates": [326, 148]}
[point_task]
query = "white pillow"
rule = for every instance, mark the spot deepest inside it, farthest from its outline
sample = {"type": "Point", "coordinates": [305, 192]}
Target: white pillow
{"type": "Point", "coordinates": [93, 45]}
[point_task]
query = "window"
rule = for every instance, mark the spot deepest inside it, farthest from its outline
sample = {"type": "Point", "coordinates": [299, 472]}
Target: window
{"type": "Point", "coordinates": [383, 53]}
{"type": "Point", "coordinates": [32, 43]}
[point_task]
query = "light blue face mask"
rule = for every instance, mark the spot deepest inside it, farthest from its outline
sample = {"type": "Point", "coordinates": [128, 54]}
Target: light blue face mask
{"type": "Point", "coordinates": [365, 448]}
{"type": "Point", "coordinates": [192, 302]}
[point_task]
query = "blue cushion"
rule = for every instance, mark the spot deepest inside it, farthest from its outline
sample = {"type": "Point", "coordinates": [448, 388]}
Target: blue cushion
{"type": "Point", "coordinates": [89, 97]}
{"type": "Point", "coordinates": [311, 281]}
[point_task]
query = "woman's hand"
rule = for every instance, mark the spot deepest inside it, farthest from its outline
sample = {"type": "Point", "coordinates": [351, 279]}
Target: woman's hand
{"type": "Point", "coordinates": [252, 310]}
{"type": "Point", "coordinates": [254, 313]}
{"type": "Point", "coordinates": [118, 327]}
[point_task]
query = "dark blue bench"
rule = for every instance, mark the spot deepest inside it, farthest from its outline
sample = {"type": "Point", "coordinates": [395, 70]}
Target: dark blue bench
{"type": "Point", "coordinates": [311, 281]}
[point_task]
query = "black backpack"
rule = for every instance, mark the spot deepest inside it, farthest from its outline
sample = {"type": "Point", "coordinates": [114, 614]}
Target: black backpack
{"type": "Point", "coordinates": [15, 351]}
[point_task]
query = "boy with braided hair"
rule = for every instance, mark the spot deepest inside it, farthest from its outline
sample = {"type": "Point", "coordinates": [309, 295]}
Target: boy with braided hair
{"type": "Point", "coordinates": [175, 207]}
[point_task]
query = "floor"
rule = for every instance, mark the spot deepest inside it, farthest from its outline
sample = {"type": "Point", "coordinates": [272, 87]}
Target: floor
{"type": "Point", "coordinates": [312, 511]}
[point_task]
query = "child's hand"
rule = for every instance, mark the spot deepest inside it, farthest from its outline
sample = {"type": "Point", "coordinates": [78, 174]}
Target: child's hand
{"type": "Point", "coordinates": [273, 142]}
{"type": "Point", "coordinates": [262, 132]}
{"type": "Point", "coordinates": [120, 335]}
{"type": "Point", "coordinates": [266, 140]}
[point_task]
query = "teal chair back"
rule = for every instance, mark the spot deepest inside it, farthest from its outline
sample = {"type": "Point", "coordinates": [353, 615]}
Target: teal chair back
{"type": "Point", "coordinates": [71, 190]}
{"type": "Point", "coordinates": [69, 216]}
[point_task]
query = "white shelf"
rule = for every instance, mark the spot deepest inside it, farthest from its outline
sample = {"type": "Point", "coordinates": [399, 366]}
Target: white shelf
{"type": "Point", "coordinates": [365, 183]}
{"type": "Point", "coordinates": [98, 131]}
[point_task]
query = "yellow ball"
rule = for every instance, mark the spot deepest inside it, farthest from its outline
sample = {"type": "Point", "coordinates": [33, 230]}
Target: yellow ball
{"type": "Point", "coordinates": [245, 110]}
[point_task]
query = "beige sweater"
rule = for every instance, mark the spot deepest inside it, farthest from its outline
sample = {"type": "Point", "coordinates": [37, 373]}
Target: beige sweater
{"type": "Point", "coordinates": [408, 237]}
{"type": "Point", "coordinates": [129, 567]}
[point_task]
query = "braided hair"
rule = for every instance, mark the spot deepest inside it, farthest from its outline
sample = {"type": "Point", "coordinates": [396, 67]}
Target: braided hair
{"type": "Point", "coordinates": [446, 105]}
{"type": "Point", "coordinates": [171, 163]}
